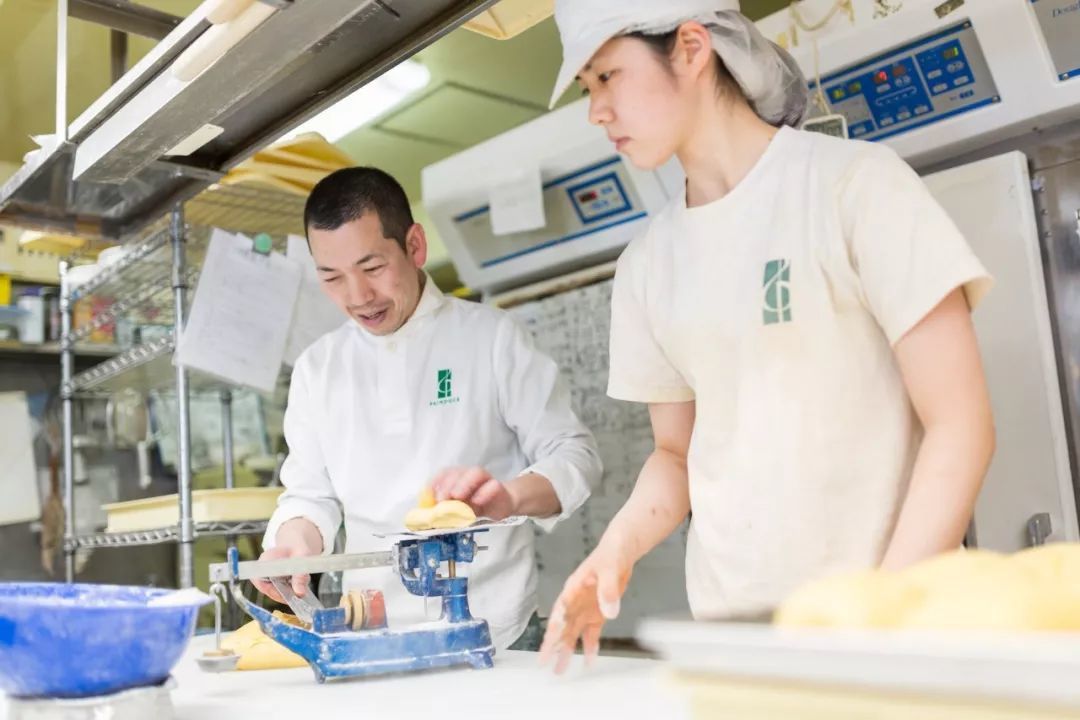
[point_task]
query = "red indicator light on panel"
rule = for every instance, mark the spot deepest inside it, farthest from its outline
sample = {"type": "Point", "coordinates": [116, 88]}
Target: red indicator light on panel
{"type": "Point", "coordinates": [881, 77]}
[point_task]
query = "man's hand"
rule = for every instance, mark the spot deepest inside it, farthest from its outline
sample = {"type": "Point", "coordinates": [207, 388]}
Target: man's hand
{"type": "Point", "coordinates": [296, 538]}
{"type": "Point", "coordinates": [475, 486]}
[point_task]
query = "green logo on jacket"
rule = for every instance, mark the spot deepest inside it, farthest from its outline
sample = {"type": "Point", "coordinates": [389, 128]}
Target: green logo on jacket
{"type": "Point", "coordinates": [445, 384]}
{"type": "Point", "coordinates": [444, 388]}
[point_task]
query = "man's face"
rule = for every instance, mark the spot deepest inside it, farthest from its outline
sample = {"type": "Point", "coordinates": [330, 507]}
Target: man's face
{"type": "Point", "coordinates": [370, 277]}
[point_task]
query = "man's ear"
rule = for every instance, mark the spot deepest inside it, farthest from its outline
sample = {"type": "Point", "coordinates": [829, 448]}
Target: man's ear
{"type": "Point", "coordinates": [416, 247]}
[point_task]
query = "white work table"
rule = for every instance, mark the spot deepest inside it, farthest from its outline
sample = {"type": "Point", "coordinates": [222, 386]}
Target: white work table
{"type": "Point", "coordinates": [516, 687]}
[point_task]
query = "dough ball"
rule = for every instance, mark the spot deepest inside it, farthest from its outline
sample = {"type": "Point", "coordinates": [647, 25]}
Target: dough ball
{"type": "Point", "coordinates": [862, 599]}
{"type": "Point", "coordinates": [447, 515]}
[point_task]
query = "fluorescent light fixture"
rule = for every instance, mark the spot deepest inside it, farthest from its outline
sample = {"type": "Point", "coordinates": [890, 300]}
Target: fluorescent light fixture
{"type": "Point", "coordinates": [369, 102]}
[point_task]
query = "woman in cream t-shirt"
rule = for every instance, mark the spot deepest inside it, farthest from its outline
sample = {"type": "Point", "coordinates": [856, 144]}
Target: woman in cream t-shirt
{"type": "Point", "coordinates": [798, 322]}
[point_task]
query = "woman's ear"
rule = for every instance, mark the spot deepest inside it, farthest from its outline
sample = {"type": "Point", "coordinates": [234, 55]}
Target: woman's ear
{"type": "Point", "coordinates": [693, 53]}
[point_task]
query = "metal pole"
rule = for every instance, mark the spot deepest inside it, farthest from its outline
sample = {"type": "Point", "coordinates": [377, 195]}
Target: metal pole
{"type": "Point", "coordinates": [118, 54]}
{"type": "Point", "coordinates": [125, 16]}
{"type": "Point", "coordinates": [227, 437]}
{"type": "Point", "coordinates": [230, 480]}
{"type": "Point", "coordinates": [179, 284]}
{"type": "Point", "coordinates": [61, 69]}
{"type": "Point", "coordinates": [68, 433]}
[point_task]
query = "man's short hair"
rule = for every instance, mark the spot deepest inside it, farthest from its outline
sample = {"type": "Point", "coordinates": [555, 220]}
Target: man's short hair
{"type": "Point", "coordinates": [345, 195]}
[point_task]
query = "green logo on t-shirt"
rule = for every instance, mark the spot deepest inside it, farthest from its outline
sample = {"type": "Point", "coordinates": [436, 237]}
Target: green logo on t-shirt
{"type": "Point", "coordinates": [776, 305]}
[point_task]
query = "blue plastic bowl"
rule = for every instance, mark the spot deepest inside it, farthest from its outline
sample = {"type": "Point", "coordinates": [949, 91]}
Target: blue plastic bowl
{"type": "Point", "coordinates": [71, 641]}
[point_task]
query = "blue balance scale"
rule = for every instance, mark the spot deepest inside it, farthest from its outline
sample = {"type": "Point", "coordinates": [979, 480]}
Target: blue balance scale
{"type": "Point", "coordinates": [354, 640]}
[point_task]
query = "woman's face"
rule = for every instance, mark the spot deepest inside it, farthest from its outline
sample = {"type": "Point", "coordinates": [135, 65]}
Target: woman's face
{"type": "Point", "coordinates": [644, 106]}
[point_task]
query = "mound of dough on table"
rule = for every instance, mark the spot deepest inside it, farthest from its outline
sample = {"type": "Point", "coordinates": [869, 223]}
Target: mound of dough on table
{"type": "Point", "coordinates": [1035, 589]}
{"type": "Point", "coordinates": [258, 651]}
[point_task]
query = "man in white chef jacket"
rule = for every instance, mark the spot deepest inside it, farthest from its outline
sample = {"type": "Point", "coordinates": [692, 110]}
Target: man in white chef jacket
{"type": "Point", "coordinates": [418, 389]}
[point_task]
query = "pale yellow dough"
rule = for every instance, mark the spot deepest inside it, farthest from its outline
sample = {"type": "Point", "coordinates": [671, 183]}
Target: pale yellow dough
{"type": "Point", "coordinates": [1036, 589]}
{"type": "Point", "coordinates": [258, 651]}
{"type": "Point", "coordinates": [446, 515]}
{"type": "Point", "coordinates": [859, 599]}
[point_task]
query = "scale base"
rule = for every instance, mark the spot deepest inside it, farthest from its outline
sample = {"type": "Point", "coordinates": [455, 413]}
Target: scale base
{"type": "Point", "coordinates": [417, 648]}
{"type": "Point", "coordinates": [365, 653]}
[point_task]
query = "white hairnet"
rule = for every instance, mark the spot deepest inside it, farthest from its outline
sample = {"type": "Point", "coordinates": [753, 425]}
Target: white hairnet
{"type": "Point", "coordinates": [768, 76]}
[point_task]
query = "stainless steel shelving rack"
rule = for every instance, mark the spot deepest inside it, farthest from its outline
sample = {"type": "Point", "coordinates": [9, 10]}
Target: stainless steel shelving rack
{"type": "Point", "coordinates": [152, 281]}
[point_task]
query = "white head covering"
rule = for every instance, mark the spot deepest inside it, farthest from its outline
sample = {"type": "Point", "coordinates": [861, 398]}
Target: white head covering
{"type": "Point", "coordinates": [769, 77]}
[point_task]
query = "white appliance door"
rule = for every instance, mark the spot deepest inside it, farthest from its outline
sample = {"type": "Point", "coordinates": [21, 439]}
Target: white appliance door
{"type": "Point", "coordinates": [991, 202]}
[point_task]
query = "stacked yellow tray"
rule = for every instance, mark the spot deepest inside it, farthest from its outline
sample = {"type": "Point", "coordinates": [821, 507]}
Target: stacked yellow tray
{"type": "Point", "coordinates": [292, 166]}
{"type": "Point", "coordinates": [715, 697]}
{"type": "Point", "coordinates": [217, 505]}
{"type": "Point", "coordinates": [510, 18]}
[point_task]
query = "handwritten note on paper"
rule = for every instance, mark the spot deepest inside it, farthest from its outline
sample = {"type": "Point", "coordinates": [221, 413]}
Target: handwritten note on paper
{"type": "Point", "coordinates": [517, 203]}
{"type": "Point", "coordinates": [315, 314]}
{"type": "Point", "coordinates": [241, 313]}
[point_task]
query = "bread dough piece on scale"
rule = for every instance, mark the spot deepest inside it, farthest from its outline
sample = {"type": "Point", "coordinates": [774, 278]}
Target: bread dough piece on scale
{"type": "Point", "coordinates": [445, 515]}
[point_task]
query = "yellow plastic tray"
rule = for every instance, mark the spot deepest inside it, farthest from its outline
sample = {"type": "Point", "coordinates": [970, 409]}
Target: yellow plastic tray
{"type": "Point", "coordinates": [718, 697]}
{"type": "Point", "coordinates": [510, 18]}
{"type": "Point", "coordinates": [217, 505]}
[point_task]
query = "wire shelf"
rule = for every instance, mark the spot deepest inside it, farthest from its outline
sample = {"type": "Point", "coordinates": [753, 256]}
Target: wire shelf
{"type": "Point", "coordinates": [143, 368]}
{"type": "Point", "coordinates": [247, 209]}
{"type": "Point", "coordinates": [166, 535]}
{"type": "Point", "coordinates": [234, 208]}
{"type": "Point", "coordinates": [139, 284]}
{"type": "Point", "coordinates": [138, 261]}
{"type": "Point", "coordinates": [138, 287]}
{"type": "Point", "coordinates": [149, 301]}
{"type": "Point", "coordinates": [147, 357]}
{"type": "Point", "coordinates": [15, 349]}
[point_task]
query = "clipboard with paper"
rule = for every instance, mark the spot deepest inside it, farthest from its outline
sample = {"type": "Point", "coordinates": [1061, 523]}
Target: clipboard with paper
{"type": "Point", "coordinates": [241, 314]}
